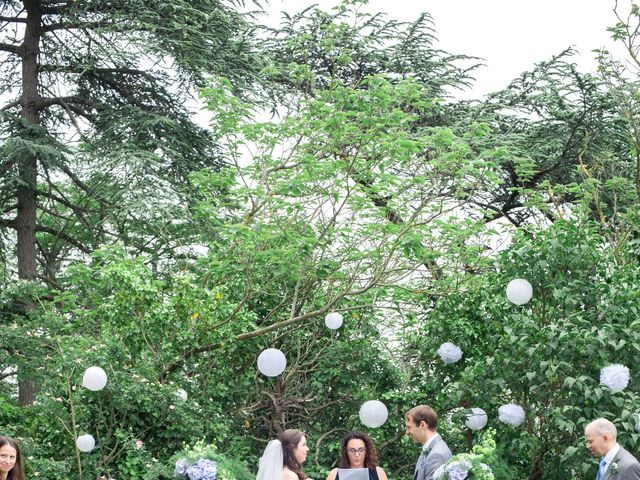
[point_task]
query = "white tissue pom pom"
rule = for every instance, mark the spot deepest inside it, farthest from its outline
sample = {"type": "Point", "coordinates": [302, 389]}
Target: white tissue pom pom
{"type": "Point", "coordinates": [511, 414]}
{"type": "Point", "coordinates": [616, 377]}
{"type": "Point", "coordinates": [449, 353]}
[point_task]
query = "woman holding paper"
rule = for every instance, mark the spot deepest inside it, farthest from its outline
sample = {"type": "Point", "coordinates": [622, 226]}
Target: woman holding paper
{"type": "Point", "coordinates": [357, 451]}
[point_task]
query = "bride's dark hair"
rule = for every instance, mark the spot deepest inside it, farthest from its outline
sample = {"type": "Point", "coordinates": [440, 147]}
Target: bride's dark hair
{"type": "Point", "coordinates": [290, 439]}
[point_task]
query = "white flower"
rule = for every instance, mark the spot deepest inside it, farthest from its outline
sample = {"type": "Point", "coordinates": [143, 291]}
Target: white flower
{"type": "Point", "coordinates": [449, 353]}
{"type": "Point", "coordinates": [511, 414]}
{"type": "Point", "coordinates": [616, 377]}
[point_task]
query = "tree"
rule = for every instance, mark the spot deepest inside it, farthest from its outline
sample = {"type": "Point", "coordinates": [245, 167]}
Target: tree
{"type": "Point", "coordinates": [96, 144]}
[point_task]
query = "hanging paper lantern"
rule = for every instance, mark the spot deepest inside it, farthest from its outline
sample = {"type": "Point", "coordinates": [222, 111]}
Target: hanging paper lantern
{"type": "Point", "coordinates": [519, 291]}
{"type": "Point", "coordinates": [272, 362]}
{"type": "Point", "coordinates": [94, 378]}
{"type": "Point", "coordinates": [616, 377]}
{"type": "Point", "coordinates": [449, 352]}
{"type": "Point", "coordinates": [333, 320]}
{"type": "Point", "coordinates": [373, 413]}
{"type": "Point", "coordinates": [182, 394]}
{"type": "Point", "coordinates": [476, 419]}
{"type": "Point", "coordinates": [85, 443]}
{"type": "Point", "coordinates": [511, 414]}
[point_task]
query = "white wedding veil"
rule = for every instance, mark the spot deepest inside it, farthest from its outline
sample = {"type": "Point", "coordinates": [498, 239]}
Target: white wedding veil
{"type": "Point", "coordinates": [271, 462]}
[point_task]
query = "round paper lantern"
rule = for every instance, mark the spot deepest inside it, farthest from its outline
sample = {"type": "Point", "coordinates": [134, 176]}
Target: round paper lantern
{"type": "Point", "coordinates": [373, 413]}
{"type": "Point", "coordinates": [271, 362]}
{"type": "Point", "coordinates": [85, 443]}
{"type": "Point", "coordinates": [449, 352]}
{"type": "Point", "coordinates": [511, 414]}
{"type": "Point", "coordinates": [616, 377]}
{"type": "Point", "coordinates": [94, 378]}
{"type": "Point", "coordinates": [519, 291]}
{"type": "Point", "coordinates": [476, 419]}
{"type": "Point", "coordinates": [182, 395]}
{"type": "Point", "coordinates": [333, 320]}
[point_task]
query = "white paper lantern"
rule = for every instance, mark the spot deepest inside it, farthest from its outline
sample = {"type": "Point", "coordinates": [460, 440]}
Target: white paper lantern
{"type": "Point", "coordinates": [85, 443]}
{"type": "Point", "coordinates": [182, 395]}
{"type": "Point", "coordinates": [476, 419]}
{"type": "Point", "coordinates": [511, 414]}
{"type": "Point", "coordinates": [373, 413]}
{"type": "Point", "coordinates": [272, 362]}
{"type": "Point", "coordinates": [94, 378]}
{"type": "Point", "coordinates": [333, 320]}
{"type": "Point", "coordinates": [449, 352]}
{"type": "Point", "coordinates": [519, 291]}
{"type": "Point", "coordinates": [616, 377]}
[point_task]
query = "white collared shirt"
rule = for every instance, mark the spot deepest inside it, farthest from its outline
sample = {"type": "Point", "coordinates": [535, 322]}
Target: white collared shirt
{"type": "Point", "coordinates": [611, 454]}
{"type": "Point", "coordinates": [430, 441]}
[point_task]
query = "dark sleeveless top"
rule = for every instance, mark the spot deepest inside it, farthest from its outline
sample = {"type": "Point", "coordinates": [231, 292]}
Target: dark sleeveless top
{"type": "Point", "coordinates": [373, 474]}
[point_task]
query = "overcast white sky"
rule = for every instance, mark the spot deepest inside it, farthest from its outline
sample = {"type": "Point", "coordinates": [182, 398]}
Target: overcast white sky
{"type": "Point", "coordinates": [511, 35]}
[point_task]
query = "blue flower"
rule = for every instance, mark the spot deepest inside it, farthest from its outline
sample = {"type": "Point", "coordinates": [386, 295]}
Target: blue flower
{"type": "Point", "coordinates": [203, 469]}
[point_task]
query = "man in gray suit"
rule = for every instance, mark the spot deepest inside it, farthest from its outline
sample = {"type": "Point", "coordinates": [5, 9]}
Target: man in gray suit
{"type": "Point", "coordinates": [422, 422]}
{"type": "Point", "coordinates": [616, 462]}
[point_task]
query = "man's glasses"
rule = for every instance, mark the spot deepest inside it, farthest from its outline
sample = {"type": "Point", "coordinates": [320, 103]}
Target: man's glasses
{"type": "Point", "coordinates": [354, 451]}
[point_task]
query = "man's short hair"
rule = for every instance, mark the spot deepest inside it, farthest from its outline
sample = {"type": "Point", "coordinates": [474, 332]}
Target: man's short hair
{"type": "Point", "coordinates": [423, 413]}
{"type": "Point", "coordinates": [602, 426]}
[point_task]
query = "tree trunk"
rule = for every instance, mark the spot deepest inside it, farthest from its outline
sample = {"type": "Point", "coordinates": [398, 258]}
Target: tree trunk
{"type": "Point", "coordinates": [28, 168]}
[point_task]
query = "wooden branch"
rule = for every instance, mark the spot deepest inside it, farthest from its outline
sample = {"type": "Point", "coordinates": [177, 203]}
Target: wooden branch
{"type": "Point", "coordinates": [6, 47]}
{"type": "Point", "coordinates": [63, 236]}
{"type": "Point", "coordinates": [13, 19]}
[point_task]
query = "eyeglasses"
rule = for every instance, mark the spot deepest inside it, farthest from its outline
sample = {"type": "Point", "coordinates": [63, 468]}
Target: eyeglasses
{"type": "Point", "coordinates": [354, 451]}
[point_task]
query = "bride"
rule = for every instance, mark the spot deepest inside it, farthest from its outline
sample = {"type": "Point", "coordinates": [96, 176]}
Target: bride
{"type": "Point", "coordinates": [283, 458]}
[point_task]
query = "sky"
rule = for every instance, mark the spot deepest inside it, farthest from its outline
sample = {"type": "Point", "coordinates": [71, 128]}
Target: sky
{"type": "Point", "coordinates": [510, 35]}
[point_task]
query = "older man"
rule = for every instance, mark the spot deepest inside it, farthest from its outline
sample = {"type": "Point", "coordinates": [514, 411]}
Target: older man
{"type": "Point", "coordinates": [616, 462]}
{"type": "Point", "coordinates": [421, 422]}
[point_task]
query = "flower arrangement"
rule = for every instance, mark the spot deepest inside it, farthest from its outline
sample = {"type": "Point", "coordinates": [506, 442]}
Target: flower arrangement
{"type": "Point", "coordinates": [469, 465]}
{"type": "Point", "coordinates": [200, 461]}
{"type": "Point", "coordinates": [202, 469]}
{"type": "Point", "coordinates": [614, 468]}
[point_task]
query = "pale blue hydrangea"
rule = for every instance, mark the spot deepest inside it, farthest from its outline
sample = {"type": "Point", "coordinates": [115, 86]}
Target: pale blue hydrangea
{"type": "Point", "coordinates": [203, 469]}
{"type": "Point", "coordinates": [181, 467]}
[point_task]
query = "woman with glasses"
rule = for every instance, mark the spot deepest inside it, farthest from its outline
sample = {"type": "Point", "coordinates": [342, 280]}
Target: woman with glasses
{"type": "Point", "coordinates": [358, 451]}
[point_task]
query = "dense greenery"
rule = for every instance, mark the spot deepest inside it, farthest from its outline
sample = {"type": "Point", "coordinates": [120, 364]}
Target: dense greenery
{"type": "Point", "coordinates": [172, 256]}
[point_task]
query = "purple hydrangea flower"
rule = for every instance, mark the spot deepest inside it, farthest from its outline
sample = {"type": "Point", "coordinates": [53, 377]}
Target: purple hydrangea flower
{"type": "Point", "coordinates": [203, 469]}
{"type": "Point", "coordinates": [181, 467]}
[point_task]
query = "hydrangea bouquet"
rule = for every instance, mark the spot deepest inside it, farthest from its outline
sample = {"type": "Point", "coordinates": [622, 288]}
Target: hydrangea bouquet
{"type": "Point", "coordinates": [462, 466]}
{"type": "Point", "coordinates": [202, 469]}
{"type": "Point", "coordinates": [468, 465]}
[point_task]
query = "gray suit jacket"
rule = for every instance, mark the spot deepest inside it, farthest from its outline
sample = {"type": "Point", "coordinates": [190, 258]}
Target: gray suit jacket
{"type": "Point", "coordinates": [438, 454]}
{"type": "Point", "coordinates": [628, 467]}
